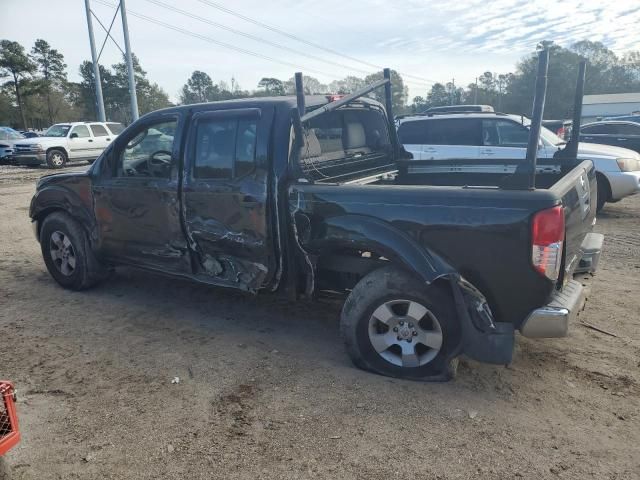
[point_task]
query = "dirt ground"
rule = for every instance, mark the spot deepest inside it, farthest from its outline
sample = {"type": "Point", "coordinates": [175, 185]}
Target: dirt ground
{"type": "Point", "coordinates": [267, 391]}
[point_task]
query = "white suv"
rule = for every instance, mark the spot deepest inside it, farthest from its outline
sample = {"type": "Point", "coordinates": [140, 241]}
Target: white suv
{"type": "Point", "coordinates": [67, 142]}
{"type": "Point", "coordinates": [476, 139]}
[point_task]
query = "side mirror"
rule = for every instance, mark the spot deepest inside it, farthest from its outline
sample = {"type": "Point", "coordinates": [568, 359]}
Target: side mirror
{"type": "Point", "coordinates": [73, 135]}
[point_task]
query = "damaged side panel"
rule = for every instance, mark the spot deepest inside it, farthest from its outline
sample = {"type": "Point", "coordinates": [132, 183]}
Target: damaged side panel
{"type": "Point", "coordinates": [226, 199]}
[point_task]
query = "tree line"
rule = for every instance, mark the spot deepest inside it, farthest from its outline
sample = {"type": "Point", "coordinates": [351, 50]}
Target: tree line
{"type": "Point", "coordinates": [36, 92]}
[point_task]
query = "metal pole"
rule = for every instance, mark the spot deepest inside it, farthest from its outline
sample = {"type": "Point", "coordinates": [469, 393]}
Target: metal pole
{"type": "Point", "coordinates": [129, 60]}
{"type": "Point", "coordinates": [300, 94]}
{"type": "Point", "coordinates": [538, 110]}
{"type": "Point", "coordinates": [96, 67]}
{"type": "Point", "coordinates": [388, 103]}
{"type": "Point", "coordinates": [572, 147]}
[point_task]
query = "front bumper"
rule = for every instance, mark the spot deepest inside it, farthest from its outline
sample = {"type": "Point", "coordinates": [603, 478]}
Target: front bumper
{"type": "Point", "coordinates": [623, 184]}
{"type": "Point", "coordinates": [553, 319]}
{"type": "Point", "coordinates": [29, 158]}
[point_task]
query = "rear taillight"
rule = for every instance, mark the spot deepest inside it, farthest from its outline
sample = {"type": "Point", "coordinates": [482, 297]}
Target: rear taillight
{"type": "Point", "coordinates": [547, 237]}
{"type": "Point", "coordinates": [561, 132]}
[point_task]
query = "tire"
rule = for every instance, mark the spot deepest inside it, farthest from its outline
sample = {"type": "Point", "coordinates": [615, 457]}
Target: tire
{"type": "Point", "coordinates": [603, 192]}
{"type": "Point", "coordinates": [67, 253]}
{"type": "Point", "coordinates": [56, 158]}
{"type": "Point", "coordinates": [388, 299]}
{"type": "Point", "coordinates": [5, 471]}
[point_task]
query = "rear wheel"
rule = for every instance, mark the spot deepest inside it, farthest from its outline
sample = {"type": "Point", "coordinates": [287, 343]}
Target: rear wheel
{"type": "Point", "coordinates": [56, 158]}
{"type": "Point", "coordinates": [603, 192]}
{"type": "Point", "coordinates": [67, 253]}
{"type": "Point", "coordinates": [395, 325]}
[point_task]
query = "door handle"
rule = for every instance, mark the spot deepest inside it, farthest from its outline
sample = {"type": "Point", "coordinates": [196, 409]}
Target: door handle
{"type": "Point", "coordinates": [108, 139]}
{"type": "Point", "coordinates": [487, 152]}
{"type": "Point", "coordinates": [90, 140]}
{"type": "Point", "coordinates": [622, 139]}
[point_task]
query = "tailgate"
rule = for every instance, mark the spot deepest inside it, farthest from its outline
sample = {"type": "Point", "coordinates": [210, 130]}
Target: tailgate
{"type": "Point", "coordinates": [578, 191]}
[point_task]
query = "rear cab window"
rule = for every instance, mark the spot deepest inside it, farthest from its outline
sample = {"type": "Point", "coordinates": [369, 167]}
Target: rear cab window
{"type": "Point", "coordinates": [345, 142]}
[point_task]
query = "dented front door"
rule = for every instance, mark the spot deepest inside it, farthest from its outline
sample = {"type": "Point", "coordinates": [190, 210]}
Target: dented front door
{"type": "Point", "coordinates": [225, 196]}
{"type": "Point", "coordinates": [136, 200]}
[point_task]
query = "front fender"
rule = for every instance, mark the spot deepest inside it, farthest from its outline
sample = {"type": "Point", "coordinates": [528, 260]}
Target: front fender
{"type": "Point", "coordinates": [361, 232]}
{"type": "Point", "coordinates": [58, 198]}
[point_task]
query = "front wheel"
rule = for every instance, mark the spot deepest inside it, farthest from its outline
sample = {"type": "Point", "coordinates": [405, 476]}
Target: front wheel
{"type": "Point", "coordinates": [56, 158]}
{"type": "Point", "coordinates": [67, 253]}
{"type": "Point", "coordinates": [395, 325]}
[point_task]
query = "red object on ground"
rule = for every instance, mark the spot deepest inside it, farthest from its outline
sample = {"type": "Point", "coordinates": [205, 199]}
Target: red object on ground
{"type": "Point", "coordinates": [9, 432]}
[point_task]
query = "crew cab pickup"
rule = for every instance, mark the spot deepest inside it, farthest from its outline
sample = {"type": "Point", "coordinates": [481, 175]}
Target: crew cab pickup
{"type": "Point", "coordinates": [304, 195]}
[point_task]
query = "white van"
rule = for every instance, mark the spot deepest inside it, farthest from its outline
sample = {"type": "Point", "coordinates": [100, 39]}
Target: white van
{"type": "Point", "coordinates": [481, 137]}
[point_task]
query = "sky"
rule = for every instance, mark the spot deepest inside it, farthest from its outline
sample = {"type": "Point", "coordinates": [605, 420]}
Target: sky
{"type": "Point", "coordinates": [425, 40]}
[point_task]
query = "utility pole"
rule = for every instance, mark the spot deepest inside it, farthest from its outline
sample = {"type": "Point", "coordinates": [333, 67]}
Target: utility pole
{"type": "Point", "coordinates": [475, 93]}
{"type": "Point", "coordinates": [453, 89]}
{"type": "Point", "coordinates": [96, 67]}
{"type": "Point", "coordinates": [129, 60]}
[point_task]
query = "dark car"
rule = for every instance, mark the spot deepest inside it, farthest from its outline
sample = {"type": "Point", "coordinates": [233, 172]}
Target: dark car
{"type": "Point", "coordinates": [29, 134]}
{"type": "Point", "coordinates": [617, 133]}
{"type": "Point", "coordinates": [302, 197]}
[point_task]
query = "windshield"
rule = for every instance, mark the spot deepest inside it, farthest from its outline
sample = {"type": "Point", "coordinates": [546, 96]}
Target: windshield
{"type": "Point", "coordinates": [57, 131]}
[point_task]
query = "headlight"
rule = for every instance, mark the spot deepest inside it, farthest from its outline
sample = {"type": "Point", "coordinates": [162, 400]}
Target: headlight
{"type": "Point", "coordinates": [38, 147]}
{"type": "Point", "coordinates": [628, 164]}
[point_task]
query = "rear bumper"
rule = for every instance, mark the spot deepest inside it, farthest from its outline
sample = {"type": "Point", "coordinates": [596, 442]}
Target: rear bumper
{"type": "Point", "coordinates": [553, 319]}
{"type": "Point", "coordinates": [591, 249]}
{"type": "Point", "coordinates": [623, 184]}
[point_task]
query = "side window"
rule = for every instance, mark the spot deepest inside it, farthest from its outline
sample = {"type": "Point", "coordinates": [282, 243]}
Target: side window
{"type": "Point", "coordinates": [456, 131]}
{"type": "Point", "coordinates": [596, 130]}
{"type": "Point", "coordinates": [81, 131]}
{"type": "Point", "coordinates": [98, 130]}
{"type": "Point", "coordinates": [116, 128]}
{"type": "Point", "coordinates": [4, 135]}
{"type": "Point", "coordinates": [627, 129]}
{"type": "Point", "coordinates": [502, 133]}
{"type": "Point", "coordinates": [225, 148]}
{"type": "Point", "coordinates": [147, 152]}
{"type": "Point", "coordinates": [413, 132]}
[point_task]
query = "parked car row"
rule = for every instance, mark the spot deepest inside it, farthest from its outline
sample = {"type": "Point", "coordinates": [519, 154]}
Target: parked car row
{"type": "Point", "coordinates": [62, 143]}
{"type": "Point", "coordinates": [482, 140]}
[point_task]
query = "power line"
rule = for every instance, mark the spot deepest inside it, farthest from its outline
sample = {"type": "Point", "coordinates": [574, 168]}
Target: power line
{"type": "Point", "coordinates": [217, 42]}
{"type": "Point", "coordinates": [254, 37]}
{"type": "Point", "coordinates": [302, 40]}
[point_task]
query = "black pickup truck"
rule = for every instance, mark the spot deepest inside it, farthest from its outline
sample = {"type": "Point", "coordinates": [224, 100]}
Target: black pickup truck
{"type": "Point", "coordinates": [305, 195]}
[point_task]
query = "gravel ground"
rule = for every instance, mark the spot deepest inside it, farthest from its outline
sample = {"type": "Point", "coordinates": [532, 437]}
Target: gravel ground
{"type": "Point", "coordinates": [267, 391]}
